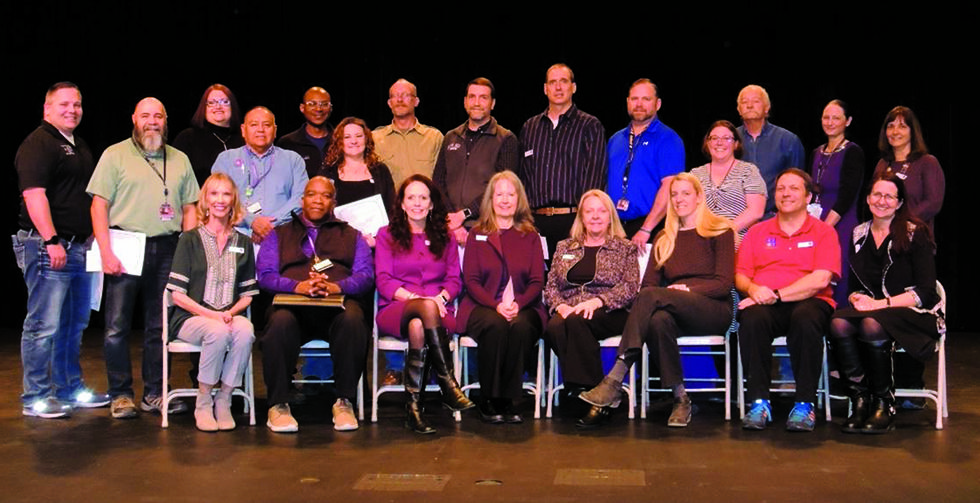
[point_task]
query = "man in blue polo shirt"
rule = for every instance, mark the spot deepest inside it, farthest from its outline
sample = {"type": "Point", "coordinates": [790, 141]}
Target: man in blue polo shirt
{"type": "Point", "coordinates": [643, 157]}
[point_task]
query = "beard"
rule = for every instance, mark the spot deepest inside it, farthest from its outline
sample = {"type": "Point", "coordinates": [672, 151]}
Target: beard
{"type": "Point", "coordinates": [150, 139]}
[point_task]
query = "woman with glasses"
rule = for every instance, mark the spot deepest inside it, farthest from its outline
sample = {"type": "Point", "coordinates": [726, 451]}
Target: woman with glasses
{"type": "Point", "coordinates": [733, 188]}
{"type": "Point", "coordinates": [893, 298]}
{"type": "Point", "coordinates": [214, 129]}
{"type": "Point", "coordinates": [837, 169]}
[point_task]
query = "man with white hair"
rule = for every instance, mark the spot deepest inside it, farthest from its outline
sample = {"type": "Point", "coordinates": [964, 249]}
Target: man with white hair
{"type": "Point", "coordinates": [142, 185]}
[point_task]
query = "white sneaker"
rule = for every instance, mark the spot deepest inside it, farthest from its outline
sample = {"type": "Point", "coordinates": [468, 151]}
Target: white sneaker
{"type": "Point", "coordinates": [281, 419]}
{"type": "Point", "coordinates": [343, 415]}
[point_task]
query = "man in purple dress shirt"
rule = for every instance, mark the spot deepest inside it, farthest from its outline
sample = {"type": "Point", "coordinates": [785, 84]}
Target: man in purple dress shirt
{"type": "Point", "coordinates": [315, 255]}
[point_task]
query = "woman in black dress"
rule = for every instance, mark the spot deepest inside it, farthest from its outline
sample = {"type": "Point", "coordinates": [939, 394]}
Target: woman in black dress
{"type": "Point", "coordinates": [894, 299]}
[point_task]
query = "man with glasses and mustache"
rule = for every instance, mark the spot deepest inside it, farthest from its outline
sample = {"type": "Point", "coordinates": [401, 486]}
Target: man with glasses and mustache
{"type": "Point", "coordinates": [142, 185]}
{"type": "Point", "coordinates": [471, 154]}
{"type": "Point", "coordinates": [311, 140]}
{"type": "Point", "coordinates": [406, 146]}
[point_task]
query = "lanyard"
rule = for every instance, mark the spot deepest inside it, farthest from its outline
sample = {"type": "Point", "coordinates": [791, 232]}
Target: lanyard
{"type": "Point", "coordinates": [253, 172]}
{"type": "Point", "coordinates": [162, 177]}
{"type": "Point", "coordinates": [629, 159]}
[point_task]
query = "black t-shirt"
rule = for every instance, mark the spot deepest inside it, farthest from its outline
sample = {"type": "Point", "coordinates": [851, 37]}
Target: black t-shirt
{"type": "Point", "coordinates": [47, 160]}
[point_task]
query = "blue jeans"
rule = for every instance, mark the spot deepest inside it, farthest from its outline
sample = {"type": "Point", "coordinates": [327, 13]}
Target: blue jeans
{"type": "Point", "coordinates": [58, 308]}
{"type": "Point", "coordinates": [120, 302]}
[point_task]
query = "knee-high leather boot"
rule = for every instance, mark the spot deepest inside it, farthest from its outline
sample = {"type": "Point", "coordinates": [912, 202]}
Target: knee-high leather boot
{"type": "Point", "coordinates": [882, 387]}
{"type": "Point", "coordinates": [848, 357]}
{"type": "Point", "coordinates": [414, 386]}
{"type": "Point", "coordinates": [437, 341]}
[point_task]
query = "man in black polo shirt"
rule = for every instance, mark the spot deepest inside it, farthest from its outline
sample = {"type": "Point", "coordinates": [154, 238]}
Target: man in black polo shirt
{"type": "Point", "coordinates": [564, 156]}
{"type": "Point", "coordinates": [312, 139]}
{"type": "Point", "coordinates": [53, 168]}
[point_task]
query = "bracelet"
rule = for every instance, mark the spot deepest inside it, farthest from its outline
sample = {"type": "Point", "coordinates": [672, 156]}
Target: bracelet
{"type": "Point", "coordinates": [648, 231]}
{"type": "Point", "coordinates": [888, 301]}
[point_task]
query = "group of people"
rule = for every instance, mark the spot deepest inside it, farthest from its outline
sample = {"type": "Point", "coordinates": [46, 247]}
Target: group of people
{"type": "Point", "coordinates": [471, 218]}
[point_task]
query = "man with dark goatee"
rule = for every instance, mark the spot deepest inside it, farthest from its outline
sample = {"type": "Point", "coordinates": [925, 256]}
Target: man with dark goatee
{"type": "Point", "coordinates": [140, 185]}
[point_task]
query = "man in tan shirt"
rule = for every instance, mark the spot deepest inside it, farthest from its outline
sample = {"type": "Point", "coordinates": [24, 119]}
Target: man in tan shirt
{"type": "Point", "coordinates": [406, 146]}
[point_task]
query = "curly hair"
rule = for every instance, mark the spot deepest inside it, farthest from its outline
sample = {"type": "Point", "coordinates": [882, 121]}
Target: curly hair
{"type": "Point", "coordinates": [335, 153]}
{"type": "Point", "coordinates": [436, 224]}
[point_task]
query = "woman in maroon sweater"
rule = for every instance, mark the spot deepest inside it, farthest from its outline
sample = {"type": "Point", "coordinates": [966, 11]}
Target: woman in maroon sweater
{"type": "Point", "coordinates": [686, 290]}
{"type": "Point", "coordinates": [503, 271]}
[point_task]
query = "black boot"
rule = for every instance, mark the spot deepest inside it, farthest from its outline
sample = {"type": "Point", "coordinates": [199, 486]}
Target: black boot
{"type": "Point", "coordinates": [882, 387]}
{"type": "Point", "coordinates": [860, 403]}
{"type": "Point", "coordinates": [846, 352]}
{"type": "Point", "coordinates": [437, 341]}
{"type": "Point", "coordinates": [414, 385]}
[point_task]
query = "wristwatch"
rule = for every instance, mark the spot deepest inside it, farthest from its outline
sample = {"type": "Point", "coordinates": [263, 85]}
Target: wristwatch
{"type": "Point", "coordinates": [53, 241]}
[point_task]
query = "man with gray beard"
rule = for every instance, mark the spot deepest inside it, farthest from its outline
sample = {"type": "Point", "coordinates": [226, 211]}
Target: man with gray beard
{"type": "Point", "coordinates": [140, 185]}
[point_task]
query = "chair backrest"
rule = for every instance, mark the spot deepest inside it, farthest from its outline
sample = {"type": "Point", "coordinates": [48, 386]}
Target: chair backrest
{"type": "Point", "coordinates": [941, 314]}
{"type": "Point", "coordinates": [168, 302]}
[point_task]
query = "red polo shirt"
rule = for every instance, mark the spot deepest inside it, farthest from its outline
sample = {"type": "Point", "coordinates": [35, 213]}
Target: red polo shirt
{"type": "Point", "coordinates": [771, 258]}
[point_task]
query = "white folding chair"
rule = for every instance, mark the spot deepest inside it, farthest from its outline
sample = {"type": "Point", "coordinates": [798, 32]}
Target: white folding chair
{"type": "Point", "coordinates": [823, 385]}
{"type": "Point", "coordinates": [938, 395]}
{"type": "Point", "coordinates": [554, 385]}
{"type": "Point", "coordinates": [318, 348]}
{"type": "Point", "coordinates": [464, 343]}
{"type": "Point", "coordinates": [247, 391]}
{"type": "Point", "coordinates": [710, 341]}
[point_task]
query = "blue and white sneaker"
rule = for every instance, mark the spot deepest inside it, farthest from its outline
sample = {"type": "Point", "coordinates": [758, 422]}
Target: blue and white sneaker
{"type": "Point", "coordinates": [759, 416]}
{"type": "Point", "coordinates": [802, 417]}
{"type": "Point", "coordinates": [47, 408]}
{"type": "Point", "coordinates": [89, 399]}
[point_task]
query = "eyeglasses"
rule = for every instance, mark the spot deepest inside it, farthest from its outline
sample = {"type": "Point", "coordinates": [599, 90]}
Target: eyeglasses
{"type": "Point", "coordinates": [890, 199]}
{"type": "Point", "coordinates": [725, 139]}
{"type": "Point", "coordinates": [402, 96]}
{"type": "Point", "coordinates": [317, 104]}
{"type": "Point", "coordinates": [218, 103]}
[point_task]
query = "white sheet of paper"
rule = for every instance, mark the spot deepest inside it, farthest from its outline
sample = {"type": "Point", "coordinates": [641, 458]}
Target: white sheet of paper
{"type": "Point", "coordinates": [129, 248]}
{"type": "Point", "coordinates": [366, 215]}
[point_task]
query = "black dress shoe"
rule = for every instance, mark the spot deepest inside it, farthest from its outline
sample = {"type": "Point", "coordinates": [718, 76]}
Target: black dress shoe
{"type": "Point", "coordinates": [510, 416]}
{"type": "Point", "coordinates": [596, 417]}
{"type": "Point", "coordinates": [489, 414]}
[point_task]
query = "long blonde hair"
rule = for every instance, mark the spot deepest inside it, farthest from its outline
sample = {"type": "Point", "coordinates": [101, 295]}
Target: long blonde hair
{"type": "Point", "coordinates": [706, 223]}
{"type": "Point", "coordinates": [615, 227]}
{"type": "Point", "coordinates": [523, 219]}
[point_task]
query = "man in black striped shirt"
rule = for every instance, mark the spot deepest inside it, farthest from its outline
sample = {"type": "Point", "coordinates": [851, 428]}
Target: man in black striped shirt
{"type": "Point", "coordinates": [564, 156]}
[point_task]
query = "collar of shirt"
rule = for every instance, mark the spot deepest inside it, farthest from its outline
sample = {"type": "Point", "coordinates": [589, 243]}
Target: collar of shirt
{"type": "Point", "coordinates": [252, 153]}
{"type": "Point", "coordinates": [569, 114]}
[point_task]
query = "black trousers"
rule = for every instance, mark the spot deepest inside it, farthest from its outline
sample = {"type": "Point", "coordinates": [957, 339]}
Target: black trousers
{"type": "Point", "coordinates": [660, 315]}
{"type": "Point", "coordinates": [505, 347]}
{"type": "Point", "coordinates": [576, 342]}
{"type": "Point", "coordinates": [804, 323]}
{"type": "Point", "coordinates": [290, 327]}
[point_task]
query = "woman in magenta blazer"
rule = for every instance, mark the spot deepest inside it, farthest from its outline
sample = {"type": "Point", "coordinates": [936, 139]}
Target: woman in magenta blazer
{"type": "Point", "coordinates": [504, 275]}
{"type": "Point", "coordinates": [417, 266]}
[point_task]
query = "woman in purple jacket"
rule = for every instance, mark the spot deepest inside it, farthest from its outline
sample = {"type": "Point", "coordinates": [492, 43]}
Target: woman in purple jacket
{"type": "Point", "coordinates": [504, 275]}
{"type": "Point", "coordinates": [417, 265]}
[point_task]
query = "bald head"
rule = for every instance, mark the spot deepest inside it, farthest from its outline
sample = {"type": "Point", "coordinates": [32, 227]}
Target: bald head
{"type": "Point", "coordinates": [150, 124]}
{"type": "Point", "coordinates": [316, 106]}
{"type": "Point", "coordinates": [259, 129]}
{"type": "Point", "coordinates": [318, 199]}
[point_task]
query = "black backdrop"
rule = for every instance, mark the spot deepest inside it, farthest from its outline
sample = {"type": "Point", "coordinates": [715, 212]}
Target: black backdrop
{"type": "Point", "coordinates": [699, 55]}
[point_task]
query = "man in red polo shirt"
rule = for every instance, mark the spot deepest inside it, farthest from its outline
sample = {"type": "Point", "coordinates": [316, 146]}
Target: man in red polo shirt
{"type": "Point", "coordinates": [783, 270]}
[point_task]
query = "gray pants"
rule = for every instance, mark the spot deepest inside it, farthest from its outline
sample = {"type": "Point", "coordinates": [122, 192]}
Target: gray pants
{"type": "Point", "coordinates": [217, 338]}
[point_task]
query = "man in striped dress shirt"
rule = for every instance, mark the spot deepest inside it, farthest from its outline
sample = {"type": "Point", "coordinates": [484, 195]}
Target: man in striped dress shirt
{"type": "Point", "coordinates": [564, 156]}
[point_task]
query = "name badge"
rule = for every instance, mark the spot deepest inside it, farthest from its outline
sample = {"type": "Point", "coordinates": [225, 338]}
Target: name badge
{"type": "Point", "coordinates": [428, 243]}
{"type": "Point", "coordinates": [528, 153]}
{"type": "Point", "coordinates": [254, 208]}
{"type": "Point", "coordinates": [568, 256]}
{"type": "Point", "coordinates": [322, 265]}
{"type": "Point", "coordinates": [481, 237]}
{"type": "Point", "coordinates": [236, 249]}
{"type": "Point", "coordinates": [804, 244]}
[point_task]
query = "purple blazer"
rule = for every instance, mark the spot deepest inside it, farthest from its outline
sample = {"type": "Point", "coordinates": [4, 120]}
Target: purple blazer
{"type": "Point", "coordinates": [483, 272]}
{"type": "Point", "coordinates": [418, 270]}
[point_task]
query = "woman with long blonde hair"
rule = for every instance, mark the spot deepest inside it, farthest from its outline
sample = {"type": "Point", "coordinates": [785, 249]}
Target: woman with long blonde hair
{"type": "Point", "coordinates": [686, 290]}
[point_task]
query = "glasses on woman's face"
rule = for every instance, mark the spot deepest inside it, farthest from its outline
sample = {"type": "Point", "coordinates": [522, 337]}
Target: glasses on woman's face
{"type": "Point", "coordinates": [722, 139]}
{"type": "Point", "coordinates": [218, 103]}
{"type": "Point", "coordinates": [890, 199]}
